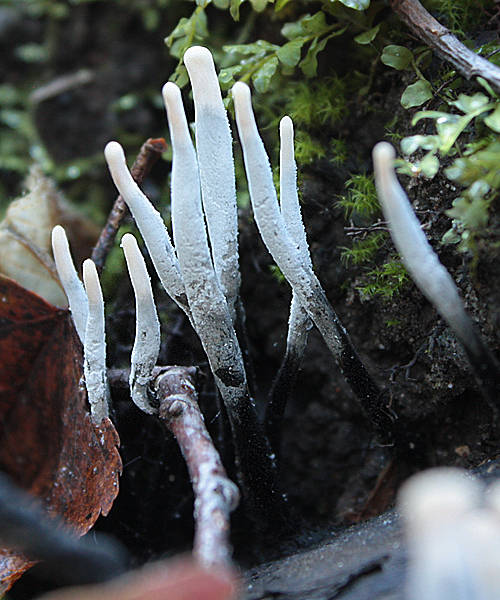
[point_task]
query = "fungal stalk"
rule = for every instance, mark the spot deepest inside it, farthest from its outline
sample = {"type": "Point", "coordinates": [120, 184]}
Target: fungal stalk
{"type": "Point", "coordinates": [429, 274]}
{"type": "Point", "coordinates": [299, 322]}
{"type": "Point", "coordinates": [94, 348]}
{"type": "Point", "coordinates": [210, 314]}
{"type": "Point", "coordinates": [150, 225]}
{"type": "Point", "coordinates": [216, 168]}
{"type": "Point", "coordinates": [452, 536]}
{"type": "Point", "coordinates": [73, 287]}
{"type": "Point", "coordinates": [147, 329]}
{"type": "Point", "coordinates": [300, 276]}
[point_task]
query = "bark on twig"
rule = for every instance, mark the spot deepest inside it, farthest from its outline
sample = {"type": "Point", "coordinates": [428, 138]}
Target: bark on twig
{"type": "Point", "coordinates": [215, 494]}
{"type": "Point", "coordinates": [446, 45]}
{"type": "Point", "coordinates": [149, 153]}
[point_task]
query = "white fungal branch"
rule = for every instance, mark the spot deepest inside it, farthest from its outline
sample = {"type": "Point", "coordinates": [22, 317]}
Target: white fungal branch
{"type": "Point", "coordinates": [299, 321]}
{"type": "Point", "coordinates": [272, 227]}
{"type": "Point", "coordinates": [73, 287]}
{"type": "Point", "coordinates": [216, 168]}
{"type": "Point", "coordinates": [150, 225]}
{"type": "Point", "coordinates": [147, 330]}
{"type": "Point", "coordinates": [208, 306]}
{"type": "Point", "coordinates": [418, 256]}
{"type": "Point", "coordinates": [94, 348]}
{"type": "Point", "coordinates": [453, 538]}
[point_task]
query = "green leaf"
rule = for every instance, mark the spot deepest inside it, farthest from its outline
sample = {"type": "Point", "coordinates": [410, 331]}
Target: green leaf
{"type": "Point", "coordinates": [262, 77]}
{"type": "Point", "coordinates": [309, 64]}
{"type": "Point", "coordinates": [234, 9]}
{"type": "Point", "coordinates": [397, 57]}
{"type": "Point", "coordinates": [473, 214]}
{"type": "Point", "coordinates": [493, 120]}
{"type": "Point", "coordinates": [280, 4]}
{"type": "Point", "coordinates": [222, 4]}
{"type": "Point", "coordinates": [290, 53]}
{"type": "Point", "coordinates": [416, 94]}
{"type": "Point", "coordinates": [356, 4]}
{"type": "Point", "coordinates": [429, 165]}
{"type": "Point", "coordinates": [367, 36]}
{"type": "Point", "coordinates": [314, 23]}
{"type": "Point", "coordinates": [468, 104]}
{"type": "Point", "coordinates": [411, 144]}
{"type": "Point", "coordinates": [259, 5]}
{"type": "Point", "coordinates": [226, 76]}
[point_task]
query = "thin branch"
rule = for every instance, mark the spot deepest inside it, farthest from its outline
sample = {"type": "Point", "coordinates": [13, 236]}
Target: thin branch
{"type": "Point", "coordinates": [445, 44]}
{"type": "Point", "coordinates": [215, 494]}
{"type": "Point", "coordinates": [149, 153]}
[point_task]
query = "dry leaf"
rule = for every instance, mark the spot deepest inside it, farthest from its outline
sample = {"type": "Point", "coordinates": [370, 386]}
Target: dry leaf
{"type": "Point", "coordinates": [48, 444]}
{"type": "Point", "coordinates": [25, 247]}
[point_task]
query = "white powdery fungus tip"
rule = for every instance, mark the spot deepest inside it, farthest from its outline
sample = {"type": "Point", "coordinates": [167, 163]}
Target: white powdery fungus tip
{"type": "Point", "coordinates": [214, 150]}
{"type": "Point", "coordinates": [422, 263]}
{"type": "Point", "coordinates": [437, 495]}
{"type": "Point", "coordinates": [94, 348]}
{"type": "Point", "coordinates": [447, 536]}
{"type": "Point", "coordinates": [149, 222]}
{"type": "Point", "coordinates": [243, 107]}
{"type": "Point", "coordinates": [73, 287]}
{"type": "Point", "coordinates": [147, 332]}
{"type": "Point", "coordinates": [201, 69]}
{"type": "Point", "coordinates": [179, 131]}
{"type": "Point", "coordinates": [287, 154]}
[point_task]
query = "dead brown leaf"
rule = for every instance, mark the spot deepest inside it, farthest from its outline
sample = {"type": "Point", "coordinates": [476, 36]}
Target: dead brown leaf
{"type": "Point", "coordinates": [48, 443]}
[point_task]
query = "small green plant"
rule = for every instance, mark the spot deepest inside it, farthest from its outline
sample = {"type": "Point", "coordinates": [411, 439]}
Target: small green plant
{"type": "Point", "coordinates": [385, 281]}
{"type": "Point", "coordinates": [365, 250]}
{"type": "Point", "coordinates": [361, 197]}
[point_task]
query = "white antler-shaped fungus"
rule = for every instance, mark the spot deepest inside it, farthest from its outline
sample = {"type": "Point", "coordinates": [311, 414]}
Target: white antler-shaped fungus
{"type": "Point", "coordinates": [73, 287]}
{"type": "Point", "coordinates": [147, 329]}
{"type": "Point", "coordinates": [288, 258]}
{"type": "Point", "coordinates": [94, 348]}
{"type": "Point", "coordinates": [216, 167]}
{"type": "Point", "coordinates": [150, 225]}
{"type": "Point", "coordinates": [299, 322]}
{"type": "Point", "coordinates": [429, 274]}
{"type": "Point", "coordinates": [206, 300]}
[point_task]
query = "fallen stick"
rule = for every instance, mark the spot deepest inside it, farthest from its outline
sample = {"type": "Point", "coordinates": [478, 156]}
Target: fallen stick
{"type": "Point", "coordinates": [444, 43]}
{"type": "Point", "coordinates": [215, 494]}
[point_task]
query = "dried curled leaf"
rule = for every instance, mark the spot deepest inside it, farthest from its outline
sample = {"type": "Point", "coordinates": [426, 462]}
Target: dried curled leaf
{"type": "Point", "coordinates": [25, 253]}
{"type": "Point", "coordinates": [48, 444]}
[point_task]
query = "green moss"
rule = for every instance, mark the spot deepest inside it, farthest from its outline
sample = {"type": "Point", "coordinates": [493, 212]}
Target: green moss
{"type": "Point", "coordinates": [361, 197]}
{"type": "Point", "coordinates": [364, 250]}
{"type": "Point", "coordinates": [385, 281]}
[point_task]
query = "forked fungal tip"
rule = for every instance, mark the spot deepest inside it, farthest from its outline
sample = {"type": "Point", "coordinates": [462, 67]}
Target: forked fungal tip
{"type": "Point", "coordinates": [197, 56]}
{"type": "Point", "coordinates": [286, 126]}
{"type": "Point", "coordinates": [91, 281]}
{"type": "Point", "coordinates": [170, 91]}
{"type": "Point", "coordinates": [58, 236]}
{"type": "Point", "coordinates": [113, 151]}
{"type": "Point", "coordinates": [127, 241]}
{"type": "Point", "coordinates": [436, 494]}
{"type": "Point", "coordinates": [383, 152]}
{"type": "Point", "coordinates": [240, 91]}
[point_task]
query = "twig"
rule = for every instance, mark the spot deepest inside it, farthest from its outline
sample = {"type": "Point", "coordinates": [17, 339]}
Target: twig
{"type": "Point", "coordinates": [215, 494]}
{"type": "Point", "coordinates": [446, 45]}
{"type": "Point", "coordinates": [148, 155]}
